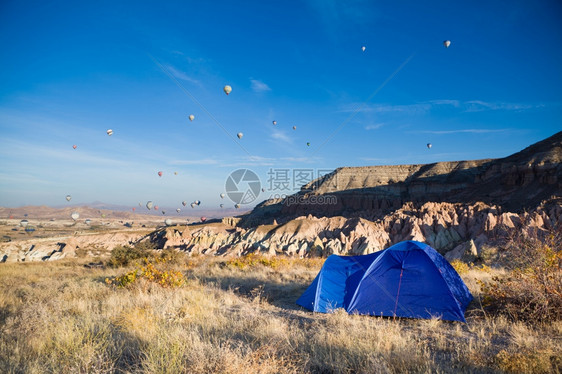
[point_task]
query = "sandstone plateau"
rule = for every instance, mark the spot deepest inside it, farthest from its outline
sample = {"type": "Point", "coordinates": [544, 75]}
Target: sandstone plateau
{"type": "Point", "coordinates": [459, 208]}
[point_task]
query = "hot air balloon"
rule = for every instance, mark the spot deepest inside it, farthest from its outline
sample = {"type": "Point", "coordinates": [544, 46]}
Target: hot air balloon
{"type": "Point", "coordinates": [294, 127]}
{"type": "Point", "coordinates": [163, 212]}
{"type": "Point", "coordinates": [29, 229]}
{"type": "Point", "coordinates": [155, 207]}
{"type": "Point", "coordinates": [237, 206]}
{"type": "Point", "coordinates": [222, 206]}
{"type": "Point", "coordinates": [239, 135]}
{"type": "Point", "coordinates": [24, 222]}
{"type": "Point", "coordinates": [109, 132]}
{"type": "Point", "coordinates": [159, 173]}
{"type": "Point", "coordinates": [134, 209]}
{"type": "Point", "coordinates": [191, 117]}
{"type": "Point", "coordinates": [149, 205]}
{"type": "Point", "coordinates": [193, 205]}
{"type": "Point", "coordinates": [198, 202]}
{"type": "Point", "coordinates": [222, 195]}
{"type": "Point", "coordinates": [88, 221]}
{"type": "Point", "coordinates": [168, 222]}
{"type": "Point", "coordinates": [75, 215]}
{"type": "Point", "coordinates": [275, 122]}
{"type": "Point", "coordinates": [74, 146]}
{"type": "Point", "coordinates": [178, 210]}
{"type": "Point", "coordinates": [227, 89]}
{"type": "Point", "coordinates": [363, 48]}
{"type": "Point", "coordinates": [308, 144]}
{"type": "Point", "coordinates": [140, 204]}
{"type": "Point", "coordinates": [184, 203]}
{"type": "Point", "coordinates": [447, 43]}
{"type": "Point", "coordinates": [428, 145]}
{"type": "Point", "coordinates": [68, 197]}
{"type": "Point", "coordinates": [203, 219]}
{"type": "Point", "coordinates": [263, 190]}
{"type": "Point", "coordinates": [175, 173]}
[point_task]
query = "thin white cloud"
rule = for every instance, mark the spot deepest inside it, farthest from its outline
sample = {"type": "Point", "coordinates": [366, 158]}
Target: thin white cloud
{"type": "Point", "coordinates": [460, 131]}
{"type": "Point", "coordinates": [478, 106]}
{"type": "Point", "coordinates": [180, 74]}
{"type": "Point", "coordinates": [454, 103]}
{"type": "Point", "coordinates": [259, 86]}
{"type": "Point", "coordinates": [247, 164]}
{"type": "Point", "coordinates": [374, 126]}
{"type": "Point", "coordinates": [259, 159]}
{"type": "Point", "coordinates": [280, 135]}
{"type": "Point", "coordinates": [205, 161]}
{"type": "Point", "coordinates": [307, 160]}
{"type": "Point", "coordinates": [386, 108]}
{"type": "Point", "coordinates": [426, 106]}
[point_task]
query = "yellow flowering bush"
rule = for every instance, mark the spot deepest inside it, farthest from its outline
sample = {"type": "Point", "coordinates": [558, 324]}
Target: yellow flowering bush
{"type": "Point", "coordinates": [149, 271]}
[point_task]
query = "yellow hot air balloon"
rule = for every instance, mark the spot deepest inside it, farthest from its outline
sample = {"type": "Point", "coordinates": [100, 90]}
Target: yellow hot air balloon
{"type": "Point", "coordinates": [227, 89]}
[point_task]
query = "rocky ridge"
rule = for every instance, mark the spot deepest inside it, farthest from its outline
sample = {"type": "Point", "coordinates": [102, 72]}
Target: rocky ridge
{"type": "Point", "coordinates": [456, 230]}
{"type": "Point", "coordinates": [515, 183]}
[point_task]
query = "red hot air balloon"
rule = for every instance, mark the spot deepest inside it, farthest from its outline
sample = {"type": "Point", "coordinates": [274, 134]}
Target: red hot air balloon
{"type": "Point", "coordinates": [159, 173]}
{"type": "Point", "coordinates": [74, 146]}
{"type": "Point", "coordinates": [203, 219]}
{"type": "Point", "coordinates": [134, 209]}
{"type": "Point", "coordinates": [156, 207]}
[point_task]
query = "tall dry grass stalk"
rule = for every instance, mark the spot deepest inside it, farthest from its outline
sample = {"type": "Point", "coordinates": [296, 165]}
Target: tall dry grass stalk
{"type": "Point", "coordinates": [62, 317]}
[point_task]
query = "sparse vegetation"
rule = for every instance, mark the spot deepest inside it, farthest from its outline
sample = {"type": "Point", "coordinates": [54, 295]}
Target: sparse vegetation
{"type": "Point", "coordinates": [62, 317]}
{"type": "Point", "coordinates": [123, 255]}
{"type": "Point", "coordinates": [155, 271]}
{"type": "Point", "coordinates": [253, 260]}
{"type": "Point", "coordinates": [531, 290]}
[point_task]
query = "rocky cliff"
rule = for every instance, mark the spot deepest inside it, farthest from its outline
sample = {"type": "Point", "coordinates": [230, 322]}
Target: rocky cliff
{"type": "Point", "coordinates": [515, 183]}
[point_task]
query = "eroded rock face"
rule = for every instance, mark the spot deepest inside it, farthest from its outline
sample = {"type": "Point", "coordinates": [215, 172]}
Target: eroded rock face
{"type": "Point", "coordinates": [457, 230]}
{"type": "Point", "coordinates": [51, 249]}
{"type": "Point", "coordinates": [515, 184]}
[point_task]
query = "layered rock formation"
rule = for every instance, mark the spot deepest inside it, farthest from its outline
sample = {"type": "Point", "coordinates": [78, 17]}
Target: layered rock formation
{"type": "Point", "coordinates": [458, 230]}
{"type": "Point", "coordinates": [515, 183]}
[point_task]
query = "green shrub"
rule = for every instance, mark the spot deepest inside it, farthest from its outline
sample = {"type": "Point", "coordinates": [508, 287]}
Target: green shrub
{"type": "Point", "coordinates": [125, 255]}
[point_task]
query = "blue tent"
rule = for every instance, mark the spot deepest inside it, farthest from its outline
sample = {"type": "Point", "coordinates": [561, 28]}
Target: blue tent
{"type": "Point", "coordinates": [409, 279]}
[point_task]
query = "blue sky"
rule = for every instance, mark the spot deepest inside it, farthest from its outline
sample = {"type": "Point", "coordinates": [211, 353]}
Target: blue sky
{"type": "Point", "coordinates": [71, 70]}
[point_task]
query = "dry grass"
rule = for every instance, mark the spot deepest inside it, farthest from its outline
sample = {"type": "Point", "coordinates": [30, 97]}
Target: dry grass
{"type": "Point", "coordinates": [233, 318]}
